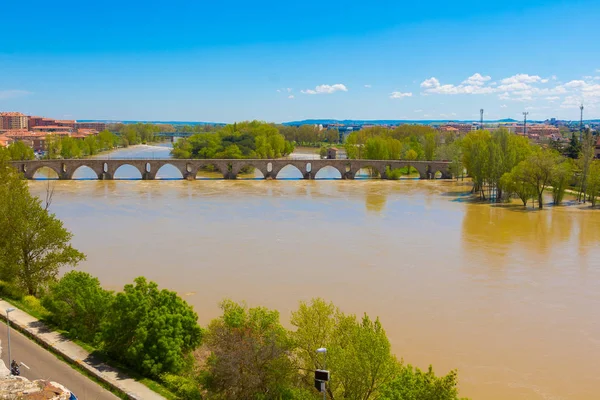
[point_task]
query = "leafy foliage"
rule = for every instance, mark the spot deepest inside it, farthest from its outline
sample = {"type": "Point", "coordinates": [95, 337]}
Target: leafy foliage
{"type": "Point", "coordinates": [241, 140]}
{"type": "Point", "coordinates": [79, 305]}
{"type": "Point", "coordinates": [34, 245]}
{"type": "Point", "coordinates": [358, 351]}
{"type": "Point", "coordinates": [249, 354]}
{"type": "Point", "coordinates": [151, 330]}
{"type": "Point", "coordinates": [413, 384]}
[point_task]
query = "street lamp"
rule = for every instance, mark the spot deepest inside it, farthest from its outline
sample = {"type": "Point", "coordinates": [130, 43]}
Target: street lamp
{"type": "Point", "coordinates": [8, 311]}
{"type": "Point", "coordinates": [322, 375]}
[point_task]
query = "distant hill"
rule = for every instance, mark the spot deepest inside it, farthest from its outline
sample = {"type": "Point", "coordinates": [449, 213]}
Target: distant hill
{"type": "Point", "coordinates": [389, 121]}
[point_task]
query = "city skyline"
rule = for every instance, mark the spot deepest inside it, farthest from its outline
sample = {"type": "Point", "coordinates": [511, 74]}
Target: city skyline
{"type": "Point", "coordinates": [278, 62]}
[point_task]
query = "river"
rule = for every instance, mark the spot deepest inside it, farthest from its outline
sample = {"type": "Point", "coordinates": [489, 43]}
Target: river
{"type": "Point", "coordinates": [509, 297]}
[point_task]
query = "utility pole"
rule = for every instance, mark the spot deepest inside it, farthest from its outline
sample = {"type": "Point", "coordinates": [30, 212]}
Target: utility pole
{"type": "Point", "coordinates": [581, 123]}
{"type": "Point", "coordinates": [481, 119]}
{"type": "Point", "coordinates": [525, 113]}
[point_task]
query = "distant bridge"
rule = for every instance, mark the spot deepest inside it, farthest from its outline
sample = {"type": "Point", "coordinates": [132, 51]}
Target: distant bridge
{"type": "Point", "coordinates": [230, 169]}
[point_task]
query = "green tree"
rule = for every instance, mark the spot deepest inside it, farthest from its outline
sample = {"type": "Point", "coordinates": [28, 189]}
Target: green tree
{"type": "Point", "coordinates": [323, 152]}
{"type": "Point", "coordinates": [249, 354]}
{"type": "Point", "coordinates": [429, 145]}
{"type": "Point", "coordinates": [79, 305]}
{"type": "Point", "coordinates": [516, 181]}
{"type": "Point", "coordinates": [34, 243]}
{"type": "Point", "coordinates": [574, 148]}
{"type": "Point", "coordinates": [410, 155]}
{"type": "Point", "coordinates": [358, 352]}
{"type": "Point", "coordinates": [69, 148]}
{"type": "Point", "coordinates": [594, 182]}
{"type": "Point", "coordinates": [476, 158]}
{"type": "Point", "coordinates": [151, 330]}
{"type": "Point", "coordinates": [20, 151]}
{"type": "Point", "coordinates": [561, 180]}
{"type": "Point", "coordinates": [413, 384]}
{"type": "Point", "coordinates": [539, 171]}
{"type": "Point", "coordinates": [586, 156]}
{"type": "Point", "coordinates": [53, 147]}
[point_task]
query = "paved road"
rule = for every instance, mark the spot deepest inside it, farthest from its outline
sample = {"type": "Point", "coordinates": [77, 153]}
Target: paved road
{"type": "Point", "coordinates": [44, 365]}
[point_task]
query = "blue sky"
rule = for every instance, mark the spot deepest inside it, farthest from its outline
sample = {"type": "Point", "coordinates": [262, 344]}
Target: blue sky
{"type": "Point", "coordinates": [282, 61]}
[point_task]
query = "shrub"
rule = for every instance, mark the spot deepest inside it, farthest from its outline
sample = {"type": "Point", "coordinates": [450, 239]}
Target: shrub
{"type": "Point", "coordinates": [185, 388]}
{"type": "Point", "coordinates": [394, 174]}
{"type": "Point", "coordinates": [79, 305]}
{"type": "Point", "coordinates": [33, 306]}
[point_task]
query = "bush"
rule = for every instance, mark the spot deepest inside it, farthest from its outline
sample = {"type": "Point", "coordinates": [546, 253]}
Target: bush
{"type": "Point", "coordinates": [185, 388]}
{"type": "Point", "coordinates": [151, 330]}
{"type": "Point", "coordinates": [79, 305]}
{"type": "Point", "coordinates": [11, 290]}
{"type": "Point", "coordinates": [33, 306]}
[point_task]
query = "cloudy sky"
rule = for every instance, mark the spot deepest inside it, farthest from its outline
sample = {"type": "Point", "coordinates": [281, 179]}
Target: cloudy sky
{"type": "Point", "coordinates": [275, 61]}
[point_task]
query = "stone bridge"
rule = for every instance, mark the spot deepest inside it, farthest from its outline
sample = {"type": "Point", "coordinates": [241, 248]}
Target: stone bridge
{"type": "Point", "coordinates": [105, 169]}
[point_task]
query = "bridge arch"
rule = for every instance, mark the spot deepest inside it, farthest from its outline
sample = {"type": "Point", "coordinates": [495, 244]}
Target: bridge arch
{"type": "Point", "coordinates": [128, 171]}
{"type": "Point", "coordinates": [329, 172]}
{"type": "Point", "coordinates": [51, 172]}
{"type": "Point", "coordinates": [368, 171]}
{"type": "Point", "coordinates": [289, 171]}
{"type": "Point", "coordinates": [209, 171]}
{"type": "Point", "coordinates": [83, 172]}
{"type": "Point", "coordinates": [241, 171]}
{"type": "Point", "coordinates": [168, 171]}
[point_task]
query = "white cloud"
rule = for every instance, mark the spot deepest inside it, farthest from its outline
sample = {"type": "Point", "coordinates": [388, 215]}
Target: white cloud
{"type": "Point", "coordinates": [11, 94]}
{"type": "Point", "coordinates": [368, 86]}
{"type": "Point", "coordinates": [291, 96]}
{"type": "Point", "coordinates": [476, 79]}
{"type": "Point", "coordinates": [554, 77]}
{"type": "Point", "coordinates": [418, 111]}
{"type": "Point", "coordinates": [278, 91]}
{"type": "Point", "coordinates": [544, 80]}
{"type": "Point", "coordinates": [521, 78]}
{"type": "Point", "coordinates": [326, 89]}
{"type": "Point", "coordinates": [430, 83]}
{"type": "Point", "coordinates": [503, 106]}
{"type": "Point", "coordinates": [399, 95]}
{"type": "Point", "coordinates": [552, 98]}
{"type": "Point", "coordinates": [575, 84]}
{"type": "Point", "coordinates": [598, 70]}
{"type": "Point", "coordinates": [288, 90]}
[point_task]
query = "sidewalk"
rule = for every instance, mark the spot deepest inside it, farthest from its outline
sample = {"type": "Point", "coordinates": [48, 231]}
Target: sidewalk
{"type": "Point", "coordinates": [77, 355]}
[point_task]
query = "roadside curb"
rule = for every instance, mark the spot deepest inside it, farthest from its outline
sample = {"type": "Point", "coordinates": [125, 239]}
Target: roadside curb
{"type": "Point", "coordinates": [58, 344]}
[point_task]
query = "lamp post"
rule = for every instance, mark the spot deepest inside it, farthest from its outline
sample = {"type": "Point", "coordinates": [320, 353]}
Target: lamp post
{"type": "Point", "coordinates": [525, 113]}
{"type": "Point", "coordinates": [8, 311]}
{"type": "Point", "coordinates": [324, 351]}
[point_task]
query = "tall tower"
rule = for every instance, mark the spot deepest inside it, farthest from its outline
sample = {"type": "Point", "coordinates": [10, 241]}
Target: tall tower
{"type": "Point", "coordinates": [481, 119]}
{"type": "Point", "coordinates": [525, 113]}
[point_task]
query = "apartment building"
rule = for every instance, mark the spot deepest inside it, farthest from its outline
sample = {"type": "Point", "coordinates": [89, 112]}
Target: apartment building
{"type": "Point", "coordinates": [13, 120]}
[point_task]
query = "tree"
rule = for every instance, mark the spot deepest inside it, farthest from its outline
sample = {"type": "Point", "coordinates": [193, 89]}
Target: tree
{"type": "Point", "coordinates": [323, 152]}
{"type": "Point", "coordinates": [410, 155]}
{"type": "Point", "coordinates": [34, 243]}
{"type": "Point", "coordinates": [20, 151]}
{"type": "Point", "coordinates": [249, 354]}
{"type": "Point", "coordinates": [593, 185]}
{"type": "Point", "coordinates": [516, 181]}
{"type": "Point", "coordinates": [429, 145]}
{"type": "Point", "coordinates": [476, 158]}
{"type": "Point", "coordinates": [53, 147]}
{"type": "Point", "coordinates": [539, 170]}
{"type": "Point", "coordinates": [574, 148]}
{"type": "Point", "coordinates": [358, 351]}
{"type": "Point", "coordinates": [586, 156]}
{"type": "Point", "coordinates": [79, 305]}
{"type": "Point", "coordinates": [151, 330]}
{"type": "Point", "coordinates": [413, 384]}
{"type": "Point", "coordinates": [69, 148]}
{"type": "Point", "coordinates": [562, 177]}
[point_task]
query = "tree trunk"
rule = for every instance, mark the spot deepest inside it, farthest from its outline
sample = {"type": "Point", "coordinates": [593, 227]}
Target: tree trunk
{"type": "Point", "coordinates": [540, 201]}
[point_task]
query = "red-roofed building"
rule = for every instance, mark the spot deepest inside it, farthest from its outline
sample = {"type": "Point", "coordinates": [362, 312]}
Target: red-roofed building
{"type": "Point", "coordinates": [5, 141]}
{"type": "Point", "coordinates": [13, 120]}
